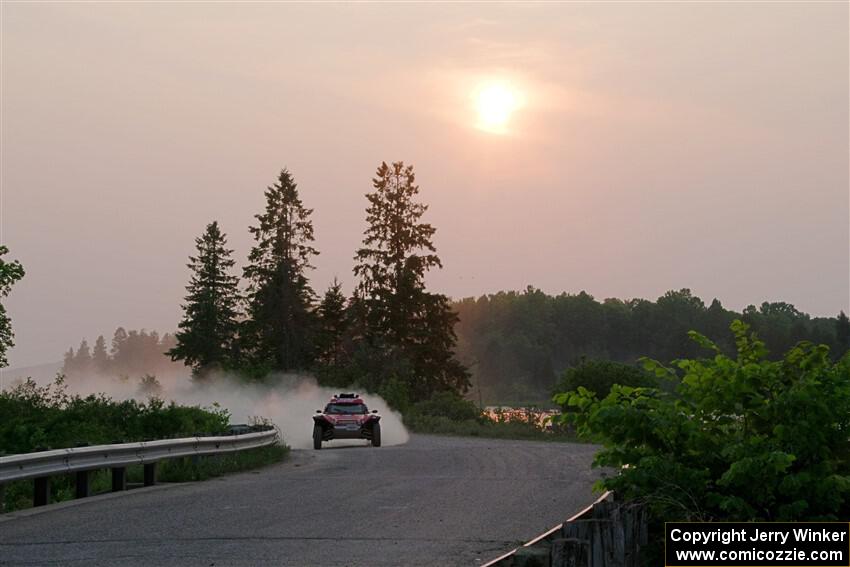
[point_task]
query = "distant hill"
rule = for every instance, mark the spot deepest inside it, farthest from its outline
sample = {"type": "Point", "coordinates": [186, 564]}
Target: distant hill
{"type": "Point", "coordinates": [41, 373]}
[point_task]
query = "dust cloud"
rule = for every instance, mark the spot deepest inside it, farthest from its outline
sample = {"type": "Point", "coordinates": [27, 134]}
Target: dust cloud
{"type": "Point", "coordinates": [287, 400]}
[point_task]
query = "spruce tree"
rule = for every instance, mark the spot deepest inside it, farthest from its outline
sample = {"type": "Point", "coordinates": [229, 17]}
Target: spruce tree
{"type": "Point", "coordinates": [100, 358]}
{"type": "Point", "coordinates": [119, 339]}
{"type": "Point", "coordinates": [281, 323]}
{"type": "Point", "coordinates": [83, 360]}
{"type": "Point", "coordinates": [207, 334]}
{"type": "Point", "coordinates": [118, 353]}
{"type": "Point", "coordinates": [68, 362]}
{"type": "Point", "coordinates": [333, 324]}
{"type": "Point", "coordinates": [411, 328]}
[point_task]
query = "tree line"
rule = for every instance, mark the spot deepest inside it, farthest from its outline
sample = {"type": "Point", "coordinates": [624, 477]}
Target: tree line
{"type": "Point", "coordinates": [518, 344]}
{"type": "Point", "coordinates": [130, 354]}
{"type": "Point", "coordinates": [390, 335]}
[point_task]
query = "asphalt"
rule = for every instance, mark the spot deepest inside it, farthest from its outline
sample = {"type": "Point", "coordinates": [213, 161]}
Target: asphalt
{"type": "Point", "coordinates": [432, 501]}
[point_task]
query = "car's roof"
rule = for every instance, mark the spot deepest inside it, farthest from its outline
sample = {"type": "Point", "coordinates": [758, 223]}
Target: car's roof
{"type": "Point", "coordinates": [346, 399]}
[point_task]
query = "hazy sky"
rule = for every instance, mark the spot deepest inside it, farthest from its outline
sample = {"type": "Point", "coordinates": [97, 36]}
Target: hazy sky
{"type": "Point", "coordinates": [655, 146]}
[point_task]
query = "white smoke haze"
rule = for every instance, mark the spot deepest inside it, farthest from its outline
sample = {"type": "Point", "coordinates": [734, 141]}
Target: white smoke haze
{"type": "Point", "coordinates": [287, 400]}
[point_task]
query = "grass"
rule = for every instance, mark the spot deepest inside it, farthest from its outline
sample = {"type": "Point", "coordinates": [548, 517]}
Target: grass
{"type": "Point", "coordinates": [183, 470]}
{"type": "Point", "coordinates": [18, 494]}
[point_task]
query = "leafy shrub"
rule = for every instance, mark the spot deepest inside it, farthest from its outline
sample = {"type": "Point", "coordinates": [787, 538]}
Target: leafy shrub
{"type": "Point", "coordinates": [737, 439]}
{"type": "Point", "coordinates": [48, 417]}
{"type": "Point", "coordinates": [36, 417]}
{"type": "Point", "coordinates": [449, 405]}
{"type": "Point", "coordinates": [598, 376]}
{"type": "Point", "coordinates": [396, 393]}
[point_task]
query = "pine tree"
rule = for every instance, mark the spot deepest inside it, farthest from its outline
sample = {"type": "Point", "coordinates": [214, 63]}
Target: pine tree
{"type": "Point", "coordinates": [100, 358]}
{"type": "Point", "coordinates": [279, 331]}
{"type": "Point", "coordinates": [208, 332]}
{"type": "Point", "coordinates": [68, 363]}
{"type": "Point", "coordinates": [118, 352]}
{"type": "Point", "coordinates": [10, 272]}
{"type": "Point", "coordinates": [412, 328]}
{"type": "Point", "coordinates": [83, 360]}
{"type": "Point", "coordinates": [333, 324]}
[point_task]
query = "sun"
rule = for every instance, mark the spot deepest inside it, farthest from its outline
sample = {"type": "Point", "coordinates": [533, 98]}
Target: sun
{"type": "Point", "coordinates": [495, 103]}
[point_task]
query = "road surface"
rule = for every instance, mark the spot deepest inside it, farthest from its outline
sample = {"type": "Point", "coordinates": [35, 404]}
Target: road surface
{"type": "Point", "coordinates": [433, 501]}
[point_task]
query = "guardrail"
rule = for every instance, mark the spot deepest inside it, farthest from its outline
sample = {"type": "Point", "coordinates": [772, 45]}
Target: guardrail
{"type": "Point", "coordinates": [535, 552]}
{"type": "Point", "coordinates": [81, 461]}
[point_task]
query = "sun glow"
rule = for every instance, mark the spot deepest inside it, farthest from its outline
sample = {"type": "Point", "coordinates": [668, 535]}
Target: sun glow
{"type": "Point", "coordinates": [495, 103]}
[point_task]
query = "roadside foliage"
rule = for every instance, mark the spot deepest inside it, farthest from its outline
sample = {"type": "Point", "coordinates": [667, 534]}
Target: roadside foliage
{"type": "Point", "coordinates": [734, 438]}
{"type": "Point", "coordinates": [48, 417]}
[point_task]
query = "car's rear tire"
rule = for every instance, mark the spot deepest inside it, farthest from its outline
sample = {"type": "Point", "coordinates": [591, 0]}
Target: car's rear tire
{"type": "Point", "coordinates": [317, 437]}
{"type": "Point", "coordinates": [376, 435]}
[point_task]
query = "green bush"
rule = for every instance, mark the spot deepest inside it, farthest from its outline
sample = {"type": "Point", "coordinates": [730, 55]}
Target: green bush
{"type": "Point", "coordinates": [47, 417]}
{"type": "Point", "coordinates": [599, 376]}
{"type": "Point", "coordinates": [449, 405]}
{"type": "Point", "coordinates": [736, 439]}
{"type": "Point", "coordinates": [396, 393]}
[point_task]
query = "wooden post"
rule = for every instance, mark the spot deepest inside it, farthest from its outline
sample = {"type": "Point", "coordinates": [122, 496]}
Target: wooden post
{"type": "Point", "coordinates": [534, 556]}
{"type": "Point", "coordinates": [569, 552]}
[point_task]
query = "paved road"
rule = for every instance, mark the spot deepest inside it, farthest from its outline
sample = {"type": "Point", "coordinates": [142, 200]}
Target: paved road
{"type": "Point", "coordinates": [433, 501]}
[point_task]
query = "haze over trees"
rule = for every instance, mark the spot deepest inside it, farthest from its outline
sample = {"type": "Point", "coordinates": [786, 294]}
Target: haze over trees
{"type": "Point", "coordinates": [132, 355]}
{"type": "Point", "coordinates": [394, 337]}
{"type": "Point", "coordinates": [391, 336]}
{"type": "Point", "coordinates": [520, 343]}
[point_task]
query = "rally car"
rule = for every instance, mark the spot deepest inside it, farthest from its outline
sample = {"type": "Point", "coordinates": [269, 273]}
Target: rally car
{"type": "Point", "coordinates": [346, 417]}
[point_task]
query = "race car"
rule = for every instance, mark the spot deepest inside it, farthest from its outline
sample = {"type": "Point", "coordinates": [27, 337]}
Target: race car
{"type": "Point", "coordinates": [346, 417]}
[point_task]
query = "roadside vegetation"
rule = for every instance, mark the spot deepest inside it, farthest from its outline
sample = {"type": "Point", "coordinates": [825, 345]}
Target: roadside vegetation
{"type": "Point", "coordinates": [48, 417]}
{"type": "Point", "coordinates": [391, 335]}
{"type": "Point", "coordinates": [426, 356]}
{"type": "Point", "coordinates": [447, 413]}
{"type": "Point", "coordinates": [18, 495]}
{"type": "Point", "coordinates": [10, 273]}
{"type": "Point", "coordinates": [739, 437]}
{"type": "Point", "coordinates": [518, 344]}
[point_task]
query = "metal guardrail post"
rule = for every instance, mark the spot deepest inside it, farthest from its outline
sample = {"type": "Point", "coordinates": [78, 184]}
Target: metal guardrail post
{"type": "Point", "coordinates": [119, 479]}
{"type": "Point", "coordinates": [82, 484]}
{"type": "Point", "coordinates": [150, 474]}
{"type": "Point", "coordinates": [2, 498]}
{"type": "Point", "coordinates": [41, 491]}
